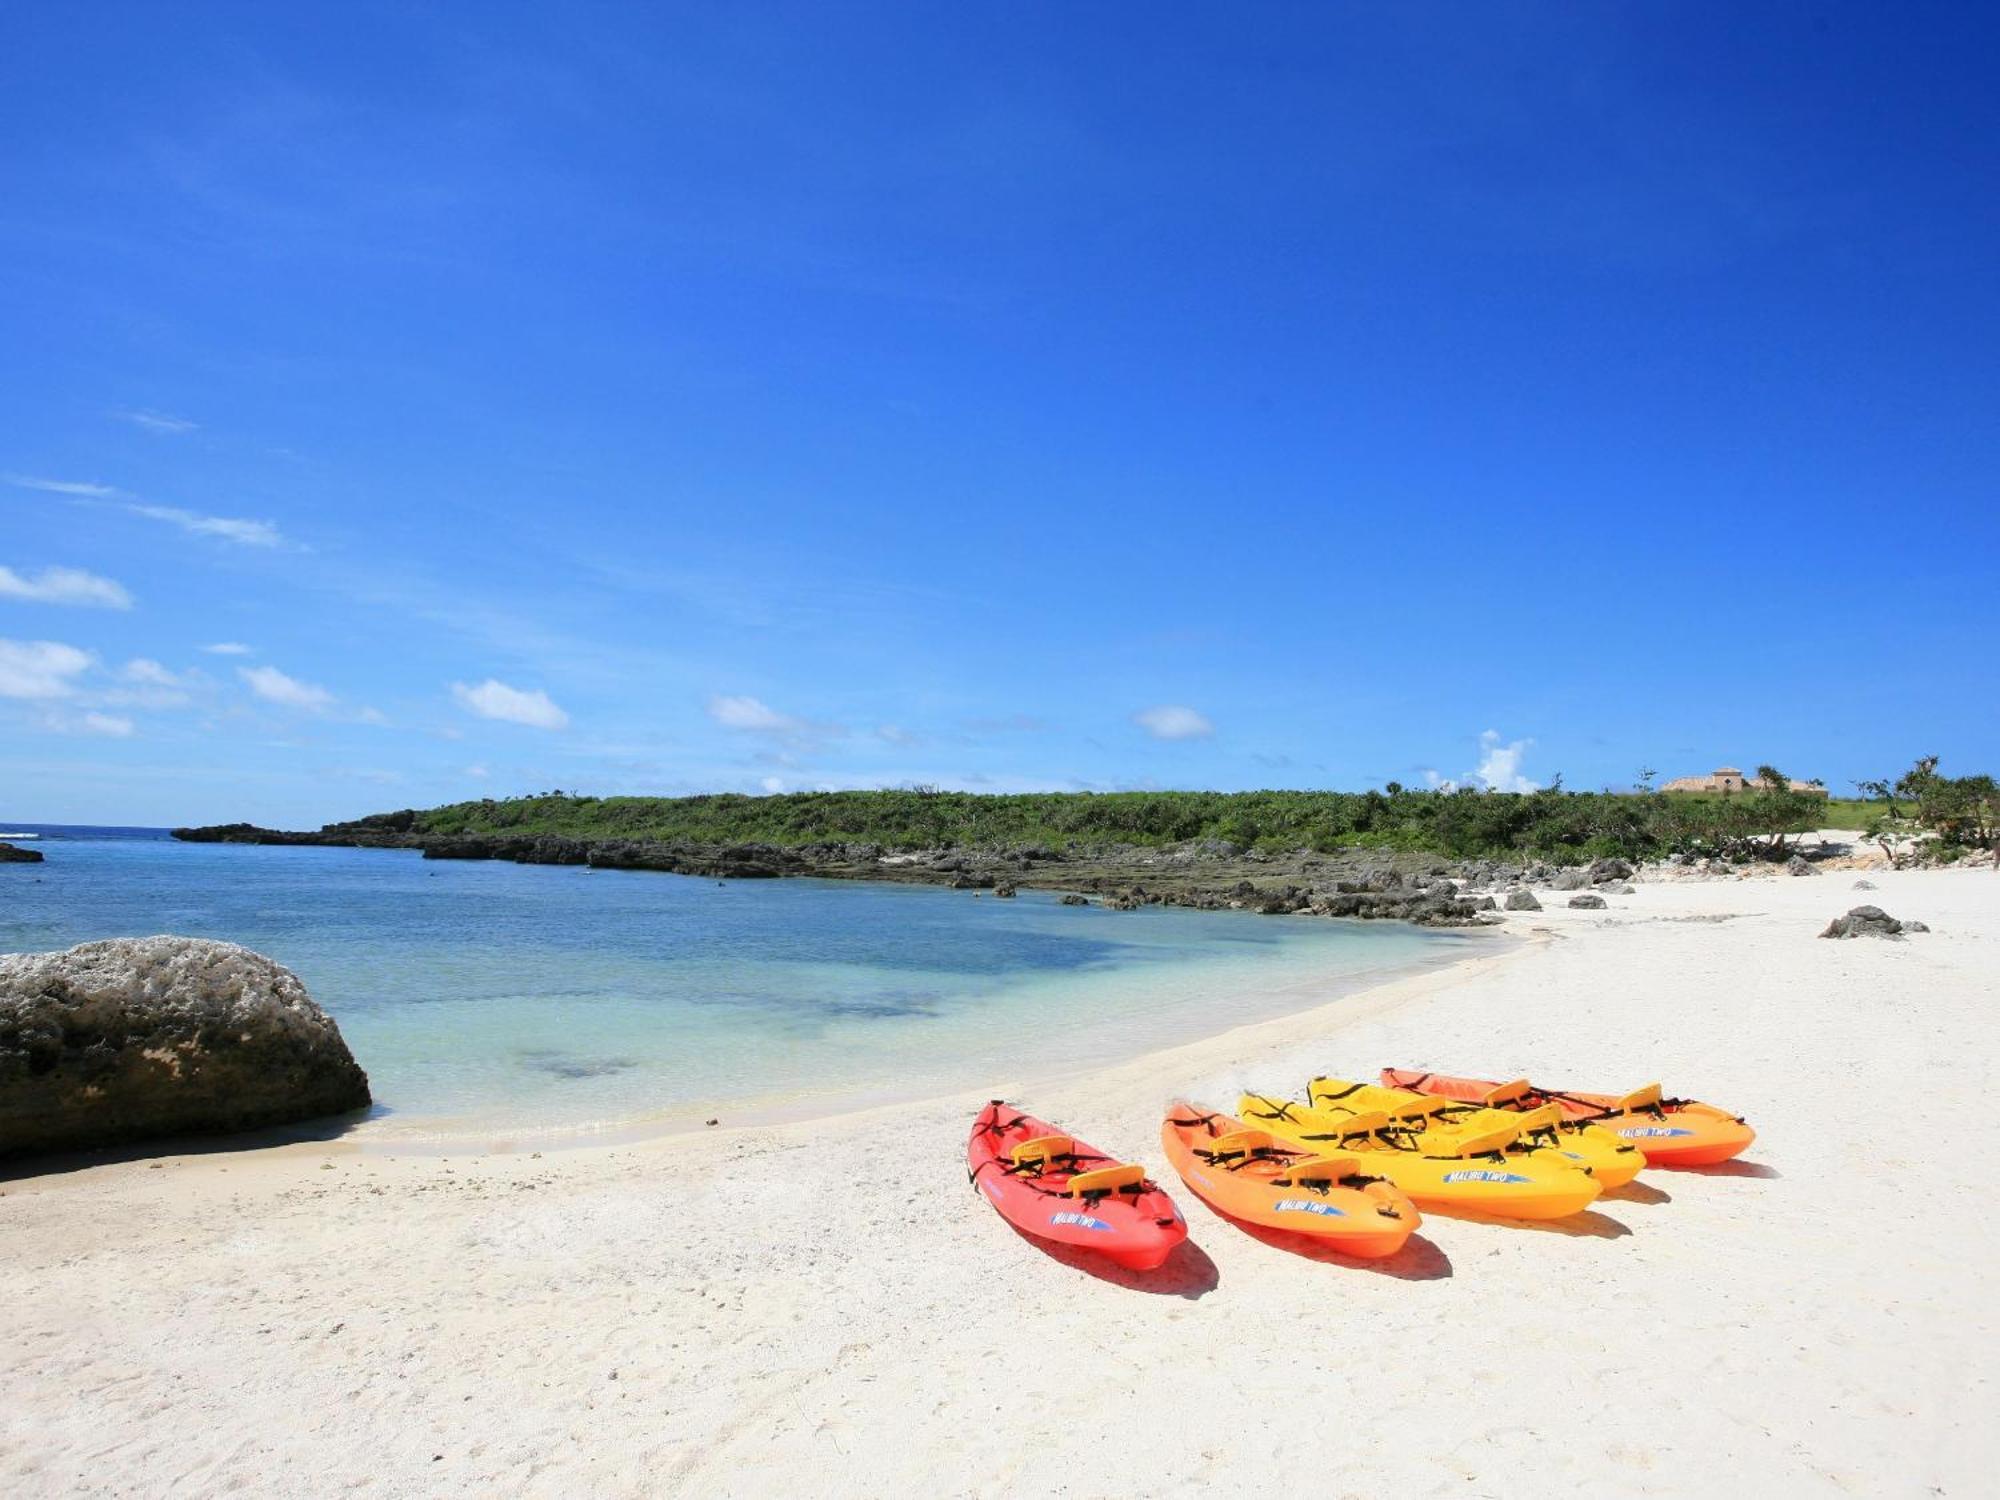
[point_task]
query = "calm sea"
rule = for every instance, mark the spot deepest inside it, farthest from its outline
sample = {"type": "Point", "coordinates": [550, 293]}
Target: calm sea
{"type": "Point", "coordinates": [487, 997]}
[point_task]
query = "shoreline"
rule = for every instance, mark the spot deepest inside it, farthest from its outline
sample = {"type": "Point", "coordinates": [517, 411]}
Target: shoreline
{"type": "Point", "coordinates": [1334, 993]}
{"type": "Point", "coordinates": [716, 1312]}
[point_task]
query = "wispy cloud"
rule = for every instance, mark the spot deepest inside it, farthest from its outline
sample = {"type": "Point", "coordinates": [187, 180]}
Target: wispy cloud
{"type": "Point", "coordinates": [751, 713]}
{"type": "Point", "coordinates": [229, 648]}
{"type": "Point", "coordinates": [242, 530]}
{"type": "Point", "coordinates": [41, 669]}
{"type": "Point", "coordinates": [110, 726]}
{"type": "Point", "coordinates": [81, 489]}
{"type": "Point", "coordinates": [144, 683]}
{"type": "Point", "coordinates": [1174, 721]}
{"type": "Point", "coordinates": [493, 699]}
{"type": "Point", "coordinates": [163, 423]}
{"type": "Point", "coordinates": [238, 529]}
{"type": "Point", "coordinates": [64, 586]}
{"type": "Point", "coordinates": [274, 686]}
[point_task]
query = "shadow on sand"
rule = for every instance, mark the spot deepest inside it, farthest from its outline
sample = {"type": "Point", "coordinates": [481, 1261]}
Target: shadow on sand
{"type": "Point", "coordinates": [1590, 1224]}
{"type": "Point", "coordinates": [1732, 1169]}
{"type": "Point", "coordinates": [1188, 1272]}
{"type": "Point", "coordinates": [56, 1163]}
{"type": "Point", "coordinates": [1637, 1192]}
{"type": "Point", "coordinates": [1418, 1260]}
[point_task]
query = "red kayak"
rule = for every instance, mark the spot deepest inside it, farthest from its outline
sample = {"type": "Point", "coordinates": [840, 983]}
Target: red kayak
{"type": "Point", "coordinates": [1055, 1187]}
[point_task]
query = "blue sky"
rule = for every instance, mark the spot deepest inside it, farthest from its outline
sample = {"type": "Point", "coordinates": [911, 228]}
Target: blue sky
{"type": "Point", "coordinates": [400, 404]}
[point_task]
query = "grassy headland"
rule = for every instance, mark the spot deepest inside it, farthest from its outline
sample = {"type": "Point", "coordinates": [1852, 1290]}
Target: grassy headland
{"type": "Point", "coordinates": [1461, 824]}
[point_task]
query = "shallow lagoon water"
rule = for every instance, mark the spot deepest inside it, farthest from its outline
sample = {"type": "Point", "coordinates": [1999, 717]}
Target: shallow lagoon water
{"type": "Point", "coordinates": [484, 996]}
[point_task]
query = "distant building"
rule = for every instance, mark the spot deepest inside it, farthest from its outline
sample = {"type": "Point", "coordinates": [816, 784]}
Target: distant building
{"type": "Point", "coordinates": [1727, 779]}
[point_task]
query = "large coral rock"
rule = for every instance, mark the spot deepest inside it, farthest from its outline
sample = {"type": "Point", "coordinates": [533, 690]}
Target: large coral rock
{"type": "Point", "coordinates": [143, 1037]}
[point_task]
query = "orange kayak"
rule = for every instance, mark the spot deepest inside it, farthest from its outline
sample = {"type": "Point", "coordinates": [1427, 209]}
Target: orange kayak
{"type": "Point", "coordinates": [1670, 1132]}
{"type": "Point", "coordinates": [1252, 1176]}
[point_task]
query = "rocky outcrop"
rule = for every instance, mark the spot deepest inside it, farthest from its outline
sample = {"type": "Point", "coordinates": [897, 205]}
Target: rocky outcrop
{"type": "Point", "coordinates": [1071, 898]}
{"type": "Point", "coordinates": [1573, 879]}
{"type": "Point", "coordinates": [1866, 921]}
{"type": "Point", "coordinates": [1004, 889]}
{"type": "Point", "coordinates": [1607, 871]}
{"type": "Point", "coordinates": [1798, 864]}
{"type": "Point", "coordinates": [1205, 874]}
{"type": "Point", "coordinates": [138, 1038]}
{"type": "Point", "coordinates": [1522, 900]}
{"type": "Point", "coordinates": [13, 854]}
{"type": "Point", "coordinates": [1587, 902]}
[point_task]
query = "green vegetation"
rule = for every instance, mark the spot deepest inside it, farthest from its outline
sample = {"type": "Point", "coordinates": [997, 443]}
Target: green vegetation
{"type": "Point", "coordinates": [1462, 823]}
{"type": "Point", "coordinates": [1959, 813]}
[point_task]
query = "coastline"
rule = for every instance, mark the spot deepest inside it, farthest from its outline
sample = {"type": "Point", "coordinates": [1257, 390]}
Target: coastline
{"type": "Point", "coordinates": [1311, 1001]}
{"type": "Point", "coordinates": [716, 1312]}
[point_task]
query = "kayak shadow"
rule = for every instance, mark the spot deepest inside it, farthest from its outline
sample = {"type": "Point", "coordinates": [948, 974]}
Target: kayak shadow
{"type": "Point", "coordinates": [1732, 1169]}
{"type": "Point", "coordinates": [1587, 1225]}
{"type": "Point", "coordinates": [1187, 1272]}
{"type": "Point", "coordinates": [1638, 1192]}
{"type": "Point", "coordinates": [1418, 1260]}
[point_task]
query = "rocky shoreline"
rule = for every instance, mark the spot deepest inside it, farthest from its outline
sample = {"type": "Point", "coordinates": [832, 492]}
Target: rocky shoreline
{"type": "Point", "coordinates": [1205, 874]}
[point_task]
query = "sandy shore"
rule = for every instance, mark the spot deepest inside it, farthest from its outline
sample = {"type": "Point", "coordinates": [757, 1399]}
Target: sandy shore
{"type": "Point", "coordinates": [827, 1310]}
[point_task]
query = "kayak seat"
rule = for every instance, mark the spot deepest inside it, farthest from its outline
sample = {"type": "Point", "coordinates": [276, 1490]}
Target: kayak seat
{"type": "Point", "coordinates": [1106, 1180]}
{"type": "Point", "coordinates": [1323, 1171]}
{"type": "Point", "coordinates": [1416, 1109]}
{"type": "Point", "coordinates": [1242, 1143]}
{"type": "Point", "coordinates": [1043, 1149]}
{"type": "Point", "coordinates": [1471, 1142]}
{"type": "Point", "coordinates": [1508, 1093]}
{"type": "Point", "coordinates": [1363, 1124]}
{"type": "Point", "coordinates": [1645, 1098]}
{"type": "Point", "coordinates": [1548, 1117]}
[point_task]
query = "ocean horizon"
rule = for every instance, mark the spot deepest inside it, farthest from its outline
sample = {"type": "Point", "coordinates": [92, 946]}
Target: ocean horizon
{"type": "Point", "coordinates": [491, 998]}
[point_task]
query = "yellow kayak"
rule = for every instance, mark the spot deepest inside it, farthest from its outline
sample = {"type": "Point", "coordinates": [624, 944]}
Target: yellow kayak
{"type": "Point", "coordinates": [1458, 1169]}
{"type": "Point", "coordinates": [1612, 1160]}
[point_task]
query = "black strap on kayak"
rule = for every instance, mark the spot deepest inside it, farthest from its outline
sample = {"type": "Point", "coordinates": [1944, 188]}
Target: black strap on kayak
{"type": "Point", "coordinates": [1235, 1161]}
{"type": "Point", "coordinates": [1597, 1111]}
{"type": "Point", "coordinates": [1097, 1195]}
{"type": "Point", "coordinates": [1352, 1088]}
{"type": "Point", "coordinates": [1197, 1120]}
{"type": "Point", "coordinates": [1274, 1109]}
{"type": "Point", "coordinates": [994, 1127]}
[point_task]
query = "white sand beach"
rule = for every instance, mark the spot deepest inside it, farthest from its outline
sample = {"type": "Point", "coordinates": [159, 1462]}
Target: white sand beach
{"type": "Point", "coordinates": [826, 1309]}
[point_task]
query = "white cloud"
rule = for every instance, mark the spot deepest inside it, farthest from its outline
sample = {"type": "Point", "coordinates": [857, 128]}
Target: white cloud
{"type": "Point", "coordinates": [772, 785]}
{"type": "Point", "coordinates": [64, 586]}
{"type": "Point", "coordinates": [66, 487]}
{"type": "Point", "coordinates": [158, 421]}
{"type": "Point", "coordinates": [274, 686]}
{"type": "Point", "coordinates": [1500, 764]}
{"type": "Point", "coordinates": [895, 734]}
{"type": "Point", "coordinates": [145, 670]}
{"type": "Point", "coordinates": [116, 726]}
{"type": "Point", "coordinates": [1174, 721]}
{"type": "Point", "coordinates": [477, 772]}
{"type": "Point", "coordinates": [496, 700]}
{"type": "Point", "coordinates": [236, 529]}
{"type": "Point", "coordinates": [750, 713]}
{"type": "Point", "coordinates": [40, 669]}
{"type": "Point", "coordinates": [229, 648]}
{"type": "Point", "coordinates": [373, 716]}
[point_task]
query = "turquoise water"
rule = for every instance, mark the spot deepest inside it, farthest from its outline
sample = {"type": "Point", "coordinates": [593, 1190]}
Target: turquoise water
{"type": "Point", "coordinates": [490, 996]}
